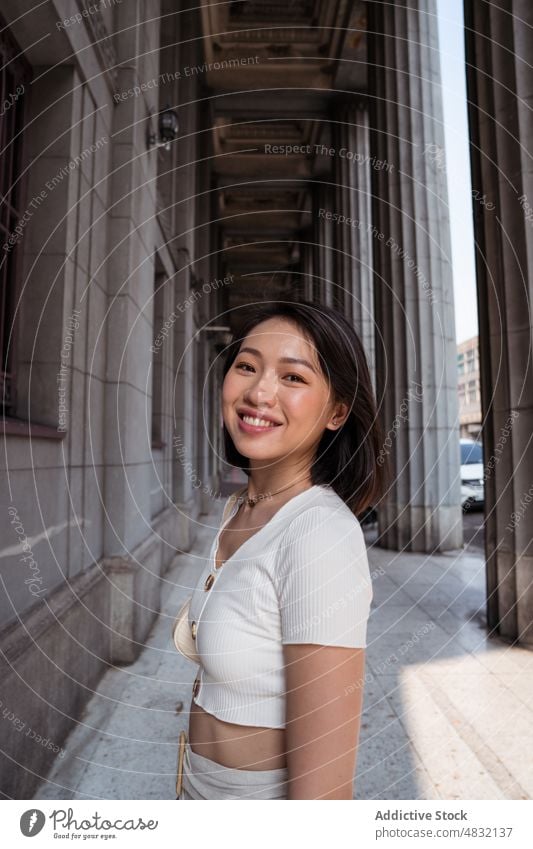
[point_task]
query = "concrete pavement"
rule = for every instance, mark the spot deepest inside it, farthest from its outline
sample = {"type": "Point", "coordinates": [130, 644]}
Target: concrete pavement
{"type": "Point", "coordinates": [447, 713]}
{"type": "Point", "coordinates": [448, 708]}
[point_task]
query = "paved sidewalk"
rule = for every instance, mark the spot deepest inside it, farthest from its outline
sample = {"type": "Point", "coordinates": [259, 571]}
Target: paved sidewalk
{"type": "Point", "coordinates": [448, 711]}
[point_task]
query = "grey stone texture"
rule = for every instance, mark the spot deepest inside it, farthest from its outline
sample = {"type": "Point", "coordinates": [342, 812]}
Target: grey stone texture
{"type": "Point", "coordinates": [413, 291]}
{"type": "Point", "coordinates": [500, 90]}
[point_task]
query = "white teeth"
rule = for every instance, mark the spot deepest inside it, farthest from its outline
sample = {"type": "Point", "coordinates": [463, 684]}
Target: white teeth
{"type": "Point", "coordinates": [257, 422]}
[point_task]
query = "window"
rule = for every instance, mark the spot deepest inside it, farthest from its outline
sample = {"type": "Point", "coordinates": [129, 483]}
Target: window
{"type": "Point", "coordinates": [15, 74]}
{"type": "Point", "coordinates": [471, 453]}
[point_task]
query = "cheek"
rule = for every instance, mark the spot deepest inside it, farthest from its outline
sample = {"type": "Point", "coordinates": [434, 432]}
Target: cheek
{"type": "Point", "coordinates": [228, 389]}
{"type": "Point", "coordinates": [306, 405]}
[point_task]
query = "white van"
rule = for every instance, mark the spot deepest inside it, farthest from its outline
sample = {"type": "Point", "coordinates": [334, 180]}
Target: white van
{"type": "Point", "coordinates": [472, 474]}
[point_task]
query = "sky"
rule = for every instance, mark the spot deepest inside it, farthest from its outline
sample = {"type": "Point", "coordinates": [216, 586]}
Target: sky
{"type": "Point", "coordinates": [451, 39]}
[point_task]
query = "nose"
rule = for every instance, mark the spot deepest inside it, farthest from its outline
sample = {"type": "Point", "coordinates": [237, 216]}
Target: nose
{"type": "Point", "coordinates": [262, 391]}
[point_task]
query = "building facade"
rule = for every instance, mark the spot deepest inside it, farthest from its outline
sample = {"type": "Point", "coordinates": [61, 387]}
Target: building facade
{"type": "Point", "coordinates": [469, 388]}
{"type": "Point", "coordinates": [303, 167]}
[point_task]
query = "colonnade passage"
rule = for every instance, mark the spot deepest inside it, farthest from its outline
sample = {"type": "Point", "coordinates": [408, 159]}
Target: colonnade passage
{"type": "Point", "coordinates": [340, 194]}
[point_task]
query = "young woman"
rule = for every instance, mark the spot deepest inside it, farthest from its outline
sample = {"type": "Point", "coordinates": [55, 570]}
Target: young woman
{"type": "Point", "coordinates": [279, 615]}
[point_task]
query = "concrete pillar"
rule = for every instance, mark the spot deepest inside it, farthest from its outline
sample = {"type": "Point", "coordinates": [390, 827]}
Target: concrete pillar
{"type": "Point", "coordinates": [415, 347]}
{"type": "Point", "coordinates": [353, 262]}
{"type": "Point", "coordinates": [306, 282]}
{"type": "Point", "coordinates": [323, 255]}
{"type": "Point", "coordinates": [206, 311]}
{"type": "Point", "coordinates": [500, 93]}
{"type": "Point", "coordinates": [316, 248]}
{"type": "Point", "coordinates": [128, 454]}
{"type": "Point", "coordinates": [132, 553]}
{"type": "Point", "coordinates": [361, 211]}
{"type": "Point", "coordinates": [343, 256]}
{"type": "Point", "coordinates": [186, 469]}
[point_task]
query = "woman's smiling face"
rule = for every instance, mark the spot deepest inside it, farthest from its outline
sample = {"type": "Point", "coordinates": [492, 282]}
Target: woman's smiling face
{"type": "Point", "coordinates": [276, 377]}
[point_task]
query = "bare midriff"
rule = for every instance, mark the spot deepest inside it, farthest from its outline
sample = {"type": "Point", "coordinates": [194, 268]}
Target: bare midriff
{"type": "Point", "coordinates": [226, 743]}
{"type": "Point", "coordinates": [235, 746]}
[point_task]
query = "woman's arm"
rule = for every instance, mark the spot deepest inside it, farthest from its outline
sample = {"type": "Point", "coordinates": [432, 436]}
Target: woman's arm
{"type": "Point", "coordinates": [324, 692]}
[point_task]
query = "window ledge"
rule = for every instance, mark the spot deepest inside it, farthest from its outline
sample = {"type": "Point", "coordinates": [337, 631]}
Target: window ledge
{"type": "Point", "coordinates": [17, 427]}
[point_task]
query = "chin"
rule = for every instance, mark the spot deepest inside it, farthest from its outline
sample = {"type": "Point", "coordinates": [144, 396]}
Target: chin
{"type": "Point", "coordinates": [255, 452]}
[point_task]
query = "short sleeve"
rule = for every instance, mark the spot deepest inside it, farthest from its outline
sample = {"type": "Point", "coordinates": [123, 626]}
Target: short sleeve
{"type": "Point", "coordinates": [323, 580]}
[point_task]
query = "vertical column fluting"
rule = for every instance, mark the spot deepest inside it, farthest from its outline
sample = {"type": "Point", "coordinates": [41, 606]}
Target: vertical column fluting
{"type": "Point", "coordinates": [500, 93]}
{"type": "Point", "coordinates": [324, 202]}
{"type": "Point", "coordinates": [358, 147]}
{"type": "Point", "coordinates": [416, 371]}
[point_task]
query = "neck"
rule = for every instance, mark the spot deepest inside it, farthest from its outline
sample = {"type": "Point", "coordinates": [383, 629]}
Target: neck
{"type": "Point", "coordinates": [269, 482]}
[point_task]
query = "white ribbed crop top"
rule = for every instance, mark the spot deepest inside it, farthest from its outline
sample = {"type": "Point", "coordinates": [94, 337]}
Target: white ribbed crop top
{"type": "Point", "coordinates": [301, 578]}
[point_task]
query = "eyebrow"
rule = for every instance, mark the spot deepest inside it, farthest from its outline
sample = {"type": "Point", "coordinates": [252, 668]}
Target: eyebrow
{"type": "Point", "coordinates": [281, 359]}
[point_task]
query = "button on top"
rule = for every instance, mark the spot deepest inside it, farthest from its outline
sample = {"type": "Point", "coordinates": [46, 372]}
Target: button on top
{"type": "Point", "coordinates": [209, 581]}
{"type": "Point", "coordinates": [193, 630]}
{"type": "Point", "coordinates": [195, 687]}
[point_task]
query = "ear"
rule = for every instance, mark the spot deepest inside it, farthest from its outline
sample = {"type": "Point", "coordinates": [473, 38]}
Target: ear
{"type": "Point", "coordinates": [338, 416]}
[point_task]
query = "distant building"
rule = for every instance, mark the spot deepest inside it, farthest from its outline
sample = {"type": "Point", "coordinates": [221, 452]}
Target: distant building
{"type": "Point", "coordinates": [469, 387]}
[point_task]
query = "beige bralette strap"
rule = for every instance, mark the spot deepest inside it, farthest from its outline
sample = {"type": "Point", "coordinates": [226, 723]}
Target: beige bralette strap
{"type": "Point", "coordinates": [231, 502]}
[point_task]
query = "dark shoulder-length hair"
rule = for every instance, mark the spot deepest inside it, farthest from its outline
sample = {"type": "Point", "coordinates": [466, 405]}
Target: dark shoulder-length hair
{"type": "Point", "coordinates": [350, 459]}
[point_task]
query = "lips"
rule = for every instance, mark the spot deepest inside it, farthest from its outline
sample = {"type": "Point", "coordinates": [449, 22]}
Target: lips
{"type": "Point", "coordinates": [255, 414]}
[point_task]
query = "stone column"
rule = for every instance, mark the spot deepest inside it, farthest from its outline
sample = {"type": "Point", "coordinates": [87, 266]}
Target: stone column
{"type": "Point", "coordinates": [358, 159]}
{"type": "Point", "coordinates": [206, 313]}
{"type": "Point", "coordinates": [500, 93]}
{"type": "Point", "coordinates": [316, 249]}
{"type": "Point", "coordinates": [415, 346]}
{"type": "Point", "coordinates": [132, 553]}
{"type": "Point", "coordinates": [323, 255]}
{"type": "Point", "coordinates": [343, 256]}
{"type": "Point", "coordinates": [306, 264]}
{"type": "Point", "coordinates": [185, 239]}
{"type": "Point", "coordinates": [128, 454]}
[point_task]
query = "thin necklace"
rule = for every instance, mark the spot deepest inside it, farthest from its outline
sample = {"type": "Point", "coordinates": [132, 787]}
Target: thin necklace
{"type": "Point", "coordinates": [252, 500]}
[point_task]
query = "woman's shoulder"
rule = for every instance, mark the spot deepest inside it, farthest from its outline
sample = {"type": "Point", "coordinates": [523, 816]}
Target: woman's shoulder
{"type": "Point", "coordinates": [328, 510]}
{"type": "Point", "coordinates": [325, 522]}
